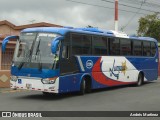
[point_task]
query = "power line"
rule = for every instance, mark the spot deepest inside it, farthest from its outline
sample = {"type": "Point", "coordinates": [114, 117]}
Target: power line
{"type": "Point", "coordinates": [139, 9]}
{"type": "Point", "coordinates": [106, 7]}
{"type": "Point", "coordinates": [102, 6]}
{"type": "Point", "coordinates": [129, 6]}
{"type": "Point", "coordinates": [137, 2]}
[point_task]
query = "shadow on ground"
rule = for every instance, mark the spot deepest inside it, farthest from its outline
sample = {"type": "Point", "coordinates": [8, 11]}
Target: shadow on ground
{"type": "Point", "coordinates": [40, 96]}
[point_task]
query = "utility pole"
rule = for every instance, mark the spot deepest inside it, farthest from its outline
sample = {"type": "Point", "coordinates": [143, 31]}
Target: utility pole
{"type": "Point", "coordinates": [116, 15]}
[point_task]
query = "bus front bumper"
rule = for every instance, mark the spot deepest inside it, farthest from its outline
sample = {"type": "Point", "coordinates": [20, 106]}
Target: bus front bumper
{"type": "Point", "coordinates": [34, 84]}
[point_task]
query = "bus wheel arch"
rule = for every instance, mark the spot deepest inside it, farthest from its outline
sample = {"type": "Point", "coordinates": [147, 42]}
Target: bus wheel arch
{"type": "Point", "coordinates": [85, 84]}
{"type": "Point", "coordinates": [140, 78]}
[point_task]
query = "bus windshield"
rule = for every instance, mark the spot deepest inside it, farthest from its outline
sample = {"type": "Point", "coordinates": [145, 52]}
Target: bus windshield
{"type": "Point", "coordinates": [33, 50]}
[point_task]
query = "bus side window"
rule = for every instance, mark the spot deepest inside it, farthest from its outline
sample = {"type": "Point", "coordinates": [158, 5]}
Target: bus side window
{"type": "Point", "coordinates": [65, 52]}
{"type": "Point", "coordinates": [125, 46]}
{"type": "Point", "coordinates": [99, 45]}
{"type": "Point", "coordinates": [114, 46]}
{"type": "Point", "coordinates": [146, 48]}
{"type": "Point", "coordinates": [66, 47]}
{"type": "Point", "coordinates": [81, 44]}
{"type": "Point", "coordinates": [137, 48]}
{"type": "Point", "coordinates": [153, 49]}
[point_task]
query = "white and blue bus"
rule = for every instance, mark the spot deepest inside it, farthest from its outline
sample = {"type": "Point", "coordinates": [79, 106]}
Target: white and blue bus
{"type": "Point", "coordinates": [61, 60]}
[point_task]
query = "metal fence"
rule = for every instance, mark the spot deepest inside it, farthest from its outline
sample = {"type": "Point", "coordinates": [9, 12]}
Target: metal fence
{"type": "Point", "coordinates": [7, 59]}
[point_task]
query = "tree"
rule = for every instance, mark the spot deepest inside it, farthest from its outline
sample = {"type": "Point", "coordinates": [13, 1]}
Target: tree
{"type": "Point", "coordinates": [149, 26]}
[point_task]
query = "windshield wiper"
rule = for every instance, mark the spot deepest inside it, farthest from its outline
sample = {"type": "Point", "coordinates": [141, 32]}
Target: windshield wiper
{"type": "Point", "coordinates": [38, 54]}
{"type": "Point", "coordinates": [37, 49]}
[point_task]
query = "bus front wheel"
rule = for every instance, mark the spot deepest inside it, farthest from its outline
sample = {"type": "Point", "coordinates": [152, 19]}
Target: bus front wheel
{"type": "Point", "coordinates": [82, 87]}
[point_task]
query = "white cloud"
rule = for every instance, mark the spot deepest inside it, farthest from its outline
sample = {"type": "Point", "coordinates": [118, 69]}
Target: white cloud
{"type": "Point", "coordinates": [64, 13]}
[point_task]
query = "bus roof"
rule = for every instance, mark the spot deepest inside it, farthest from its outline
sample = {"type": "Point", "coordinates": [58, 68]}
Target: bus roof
{"type": "Point", "coordinates": [95, 31]}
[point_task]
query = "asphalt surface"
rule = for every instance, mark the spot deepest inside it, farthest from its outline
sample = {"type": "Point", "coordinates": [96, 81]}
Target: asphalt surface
{"type": "Point", "coordinates": [126, 98]}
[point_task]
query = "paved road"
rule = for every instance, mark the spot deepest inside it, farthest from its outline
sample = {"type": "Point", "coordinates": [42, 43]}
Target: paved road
{"type": "Point", "coordinates": [128, 98]}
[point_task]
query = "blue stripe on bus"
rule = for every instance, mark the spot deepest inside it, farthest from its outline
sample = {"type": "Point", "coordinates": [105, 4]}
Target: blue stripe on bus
{"type": "Point", "coordinates": [34, 72]}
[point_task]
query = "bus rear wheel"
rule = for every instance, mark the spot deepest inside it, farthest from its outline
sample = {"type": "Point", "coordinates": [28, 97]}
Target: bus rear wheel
{"type": "Point", "coordinates": [140, 80]}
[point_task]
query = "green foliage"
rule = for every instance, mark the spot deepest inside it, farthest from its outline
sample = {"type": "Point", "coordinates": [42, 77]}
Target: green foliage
{"type": "Point", "coordinates": [149, 26]}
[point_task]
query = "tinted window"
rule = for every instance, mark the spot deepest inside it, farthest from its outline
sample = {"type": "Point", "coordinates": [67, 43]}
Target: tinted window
{"type": "Point", "coordinates": [66, 47]}
{"type": "Point", "coordinates": [114, 46]}
{"type": "Point", "coordinates": [153, 49]}
{"type": "Point", "coordinates": [81, 44]}
{"type": "Point", "coordinates": [99, 45]}
{"type": "Point", "coordinates": [67, 60]}
{"type": "Point", "coordinates": [67, 39]}
{"type": "Point", "coordinates": [146, 48]}
{"type": "Point", "coordinates": [125, 47]}
{"type": "Point", "coordinates": [137, 48]}
{"type": "Point", "coordinates": [65, 52]}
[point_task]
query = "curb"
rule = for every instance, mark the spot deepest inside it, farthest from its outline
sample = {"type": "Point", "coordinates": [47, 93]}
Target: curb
{"type": "Point", "coordinates": [10, 90]}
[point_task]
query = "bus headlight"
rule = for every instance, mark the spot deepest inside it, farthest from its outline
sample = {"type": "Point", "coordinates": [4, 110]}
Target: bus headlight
{"type": "Point", "coordinates": [14, 78]}
{"type": "Point", "coordinates": [49, 80]}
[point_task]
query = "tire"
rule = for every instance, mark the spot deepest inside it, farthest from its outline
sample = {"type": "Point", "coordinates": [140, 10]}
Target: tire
{"type": "Point", "coordinates": [82, 87]}
{"type": "Point", "coordinates": [14, 88]}
{"type": "Point", "coordinates": [88, 87]}
{"type": "Point", "coordinates": [140, 80]}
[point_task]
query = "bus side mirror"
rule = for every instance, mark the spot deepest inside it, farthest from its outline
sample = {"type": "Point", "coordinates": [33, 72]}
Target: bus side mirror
{"type": "Point", "coordinates": [6, 40]}
{"type": "Point", "coordinates": [54, 44]}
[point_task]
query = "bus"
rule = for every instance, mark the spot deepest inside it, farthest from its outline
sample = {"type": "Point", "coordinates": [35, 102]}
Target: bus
{"type": "Point", "coordinates": [66, 59]}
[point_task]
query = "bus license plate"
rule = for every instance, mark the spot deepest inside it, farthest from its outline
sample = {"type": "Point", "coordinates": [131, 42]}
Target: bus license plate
{"type": "Point", "coordinates": [28, 86]}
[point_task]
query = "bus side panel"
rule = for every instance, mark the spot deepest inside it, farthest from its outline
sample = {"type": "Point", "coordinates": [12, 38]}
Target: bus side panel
{"type": "Point", "coordinates": [146, 65]}
{"type": "Point", "coordinates": [107, 71]}
{"type": "Point", "coordinates": [149, 67]}
{"type": "Point", "coordinates": [150, 75]}
{"type": "Point", "coordinates": [69, 83]}
{"type": "Point", "coordinates": [114, 71]}
{"type": "Point", "coordinates": [95, 84]}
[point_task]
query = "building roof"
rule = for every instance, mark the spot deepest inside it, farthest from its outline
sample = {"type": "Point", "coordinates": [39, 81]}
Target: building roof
{"type": "Point", "coordinates": [20, 27]}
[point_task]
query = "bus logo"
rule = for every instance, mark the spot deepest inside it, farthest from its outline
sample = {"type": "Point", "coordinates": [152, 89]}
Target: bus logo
{"type": "Point", "coordinates": [89, 64]}
{"type": "Point", "coordinates": [115, 69]}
